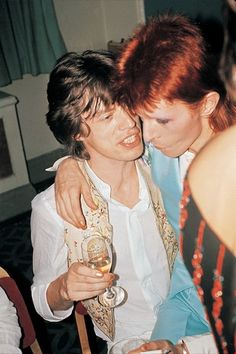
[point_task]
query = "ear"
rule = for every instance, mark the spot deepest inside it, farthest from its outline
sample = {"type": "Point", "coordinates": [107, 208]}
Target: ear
{"type": "Point", "coordinates": [79, 137]}
{"type": "Point", "coordinates": [209, 103]}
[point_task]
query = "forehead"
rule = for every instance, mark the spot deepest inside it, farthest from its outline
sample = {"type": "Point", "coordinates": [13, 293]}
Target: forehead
{"type": "Point", "coordinates": [113, 109]}
{"type": "Point", "coordinates": [164, 109]}
{"type": "Point", "coordinates": [92, 101]}
{"type": "Point", "coordinates": [104, 109]}
{"type": "Point", "coordinates": [96, 109]}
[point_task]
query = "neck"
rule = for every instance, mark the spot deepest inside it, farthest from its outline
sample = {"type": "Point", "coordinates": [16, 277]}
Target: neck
{"type": "Point", "coordinates": [122, 177]}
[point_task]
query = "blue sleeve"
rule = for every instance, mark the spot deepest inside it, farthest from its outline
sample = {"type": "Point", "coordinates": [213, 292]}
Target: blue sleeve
{"type": "Point", "coordinates": [178, 317]}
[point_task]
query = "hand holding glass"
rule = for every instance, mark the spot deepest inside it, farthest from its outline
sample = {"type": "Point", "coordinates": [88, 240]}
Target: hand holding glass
{"type": "Point", "coordinates": [97, 254]}
{"type": "Point", "coordinates": [126, 345]}
{"type": "Point", "coordinates": [132, 345]}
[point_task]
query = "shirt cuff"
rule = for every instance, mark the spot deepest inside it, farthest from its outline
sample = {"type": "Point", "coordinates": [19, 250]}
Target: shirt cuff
{"type": "Point", "coordinates": [42, 307]}
{"type": "Point", "coordinates": [201, 343]}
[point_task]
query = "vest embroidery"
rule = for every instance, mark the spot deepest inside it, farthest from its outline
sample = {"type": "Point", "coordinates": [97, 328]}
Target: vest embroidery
{"type": "Point", "coordinates": [98, 221]}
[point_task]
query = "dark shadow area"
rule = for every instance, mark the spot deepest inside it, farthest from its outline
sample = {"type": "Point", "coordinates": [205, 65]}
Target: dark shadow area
{"type": "Point", "coordinates": [213, 32]}
{"type": "Point", "coordinates": [16, 258]}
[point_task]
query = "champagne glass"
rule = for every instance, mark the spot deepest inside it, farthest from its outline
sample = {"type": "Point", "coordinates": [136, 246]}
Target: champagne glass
{"type": "Point", "coordinates": [97, 254]}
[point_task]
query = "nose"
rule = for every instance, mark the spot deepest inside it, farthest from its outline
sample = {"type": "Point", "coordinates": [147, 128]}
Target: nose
{"type": "Point", "coordinates": [148, 130]}
{"type": "Point", "coordinates": [127, 121]}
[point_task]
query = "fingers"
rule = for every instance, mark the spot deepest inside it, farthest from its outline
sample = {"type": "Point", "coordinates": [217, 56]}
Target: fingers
{"type": "Point", "coordinates": [90, 276]}
{"type": "Point", "coordinates": [70, 184]}
{"type": "Point", "coordinates": [87, 196]}
{"type": "Point", "coordinates": [88, 287]}
{"type": "Point", "coordinates": [68, 204]}
{"type": "Point", "coordinates": [87, 276]}
{"type": "Point", "coordinates": [82, 292]}
{"type": "Point", "coordinates": [62, 211]}
{"type": "Point", "coordinates": [151, 346]}
{"type": "Point", "coordinates": [136, 351]}
{"type": "Point", "coordinates": [72, 208]}
{"type": "Point", "coordinates": [84, 283]}
{"type": "Point", "coordinates": [82, 269]}
{"type": "Point", "coordinates": [144, 348]}
{"type": "Point", "coordinates": [164, 345]}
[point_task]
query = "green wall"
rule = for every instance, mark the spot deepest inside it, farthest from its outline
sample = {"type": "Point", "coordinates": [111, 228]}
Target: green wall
{"type": "Point", "coordinates": [207, 13]}
{"type": "Point", "coordinates": [192, 8]}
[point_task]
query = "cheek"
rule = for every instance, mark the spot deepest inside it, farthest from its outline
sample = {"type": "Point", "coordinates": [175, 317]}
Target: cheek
{"type": "Point", "coordinates": [191, 126]}
{"type": "Point", "coordinates": [191, 132]}
{"type": "Point", "coordinates": [183, 134]}
{"type": "Point", "coordinates": [196, 126]}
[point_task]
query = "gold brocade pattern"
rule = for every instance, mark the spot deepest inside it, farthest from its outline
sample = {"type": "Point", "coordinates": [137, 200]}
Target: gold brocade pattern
{"type": "Point", "coordinates": [167, 233]}
{"type": "Point", "coordinates": [98, 221]}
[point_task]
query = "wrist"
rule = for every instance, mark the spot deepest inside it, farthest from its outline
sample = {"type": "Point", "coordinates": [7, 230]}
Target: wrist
{"type": "Point", "coordinates": [56, 297]}
{"type": "Point", "coordinates": [63, 290]}
{"type": "Point", "coordinates": [182, 348]}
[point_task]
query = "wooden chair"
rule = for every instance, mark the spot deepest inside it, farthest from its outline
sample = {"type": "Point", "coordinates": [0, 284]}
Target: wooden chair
{"type": "Point", "coordinates": [80, 313]}
{"type": "Point", "coordinates": [29, 336]}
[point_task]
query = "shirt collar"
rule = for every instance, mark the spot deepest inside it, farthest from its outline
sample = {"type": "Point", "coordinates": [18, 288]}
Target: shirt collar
{"type": "Point", "coordinates": [105, 189]}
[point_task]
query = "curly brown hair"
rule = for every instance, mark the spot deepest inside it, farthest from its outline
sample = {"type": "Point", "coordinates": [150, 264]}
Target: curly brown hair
{"type": "Point", "coordinates": [79, 85]}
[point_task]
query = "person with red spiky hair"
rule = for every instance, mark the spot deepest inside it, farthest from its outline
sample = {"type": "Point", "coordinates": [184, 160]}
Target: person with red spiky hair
{"type": "Point", "coordinates": [166, 75]}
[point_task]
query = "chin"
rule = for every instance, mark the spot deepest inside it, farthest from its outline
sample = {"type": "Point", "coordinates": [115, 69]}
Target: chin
{"type": "Point", "coordinates": [134, 155]}
{"type": "Point", "coordinates": [169, 153]}
{"type": "Point", "coordinates": [173, 152]}
{"type": "Point", "coordinates": [172, 155]}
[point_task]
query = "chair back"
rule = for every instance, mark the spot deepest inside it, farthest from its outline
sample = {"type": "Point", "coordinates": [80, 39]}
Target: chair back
{"type": "Point", "coordinates": [80, 312]}
{"type": "Point", "coordinates": [11, 289]}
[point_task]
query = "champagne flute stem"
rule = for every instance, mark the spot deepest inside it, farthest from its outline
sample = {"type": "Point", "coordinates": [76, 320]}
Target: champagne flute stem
{"type": "Point", "coordinates": [109, 293]}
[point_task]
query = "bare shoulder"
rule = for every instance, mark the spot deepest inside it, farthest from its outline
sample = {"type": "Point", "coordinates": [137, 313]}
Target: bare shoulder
{"type": "Point", "coordinates": [219, 152]}
{"type": "Point", "coordinates": [212, 179]}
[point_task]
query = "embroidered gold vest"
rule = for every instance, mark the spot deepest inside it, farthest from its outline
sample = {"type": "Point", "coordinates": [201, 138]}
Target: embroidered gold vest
{"type": "Point", "coordinates": [98, 220]}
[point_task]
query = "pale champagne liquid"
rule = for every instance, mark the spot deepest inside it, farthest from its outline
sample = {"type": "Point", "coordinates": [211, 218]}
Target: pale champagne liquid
{"type": "Point", "coordinates": [100, 263]}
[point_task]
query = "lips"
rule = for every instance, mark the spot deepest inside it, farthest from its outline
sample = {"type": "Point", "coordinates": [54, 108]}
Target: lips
{"type": "Point", "coordinates": [131, 140]}
{"type": "Point", "coordinates": [157, 146]}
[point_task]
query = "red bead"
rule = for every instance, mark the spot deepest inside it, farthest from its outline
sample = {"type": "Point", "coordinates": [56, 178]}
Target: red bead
{"type": "Point", "coordinates": [219, 326]}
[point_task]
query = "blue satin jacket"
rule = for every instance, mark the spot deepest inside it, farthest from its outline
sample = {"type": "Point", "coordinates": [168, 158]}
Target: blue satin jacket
{"type": "Point", "coordinates": [182, 314]}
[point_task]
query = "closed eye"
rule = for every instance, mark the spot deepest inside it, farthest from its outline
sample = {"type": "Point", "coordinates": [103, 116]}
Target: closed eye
{"type": "Point", "coordinates": [104, 116]}
{"type": "Point", "coordinates": [107, 116]}
{"type": "Point", "coordinates": [162, 121]}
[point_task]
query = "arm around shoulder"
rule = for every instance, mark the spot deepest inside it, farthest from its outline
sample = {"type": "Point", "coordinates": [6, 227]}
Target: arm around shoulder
{"type": "Point", "coordinates": [70, 184]}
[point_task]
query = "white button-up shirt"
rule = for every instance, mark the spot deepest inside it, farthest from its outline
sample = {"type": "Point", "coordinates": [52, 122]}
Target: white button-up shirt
{"type": "Point", "coordinates": [10, 332]}
{"type": "Point", "coordinates": [140, 259]}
